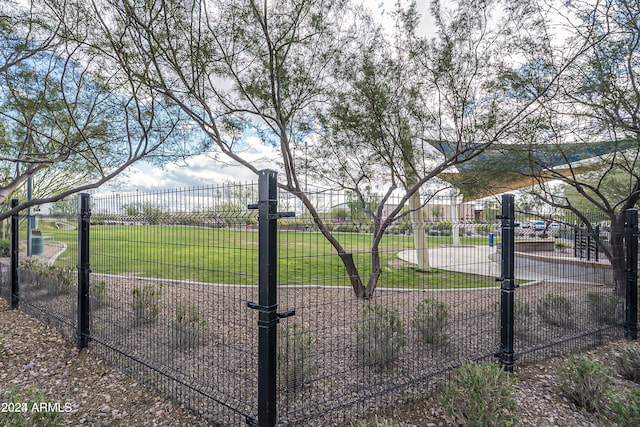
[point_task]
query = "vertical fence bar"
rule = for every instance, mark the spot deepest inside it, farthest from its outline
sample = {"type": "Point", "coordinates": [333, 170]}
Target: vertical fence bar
{"type": "Point", "coordinates": [507, 290]}
{"type": "Point", "coordinates": [596, 246]}
{"type": "Point", "coordinates": [84, 309]}
{"type": "Point", "coordinates": [631, 243]}
{"type": "Point", "coordinates": [15, 253]}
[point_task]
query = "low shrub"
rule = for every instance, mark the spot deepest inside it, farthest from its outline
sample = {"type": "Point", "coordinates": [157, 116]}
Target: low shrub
{"type": "Point", "coordinates": [345, 228]}
{"type": "Point", "coordinates": [98, 292]}
{"type": "Point", "coordinates": [431, 321]}
{"type": "Point", "coordinates": [624, 408]}
{"type": "Point", "coordinates": [523, 319]}
{"type": "Point", "coordinates": [55, 279]}
{"type": "Point", "coordinates": [628, 361]}
{"type": "Point", "coordinates": [480, 394]}
{"type": "Point", "coordinates": [585, 381]}
{"type": "Point", "coordinates": [555, 310]}
{"type": "Point", "coordinates": [188, 328]}
{"type": "Point", "coordinates": [444, 225]}
{"type": "Point", "coordinates": [295, 356]}
{"type": "Point", "coordinates": [146, 304]}
{"type": "Point", "coordinates": [379, 335]}
{"type": "Point", "coordinates": [561, 245]}
{"type": "Point", "coordinates": [5, 248]}
{"type": "Point", "coordinates": [605, 309]}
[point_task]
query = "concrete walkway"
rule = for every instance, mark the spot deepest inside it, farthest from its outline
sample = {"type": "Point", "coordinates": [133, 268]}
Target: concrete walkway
{"type": "Point", "coordinates": [482, 260]}
{"type": "Point", "coordinates": [485, 260]}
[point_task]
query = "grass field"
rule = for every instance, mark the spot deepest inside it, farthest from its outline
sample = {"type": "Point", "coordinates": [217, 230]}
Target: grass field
{"type": "Point", "coordinates": [226, 255]}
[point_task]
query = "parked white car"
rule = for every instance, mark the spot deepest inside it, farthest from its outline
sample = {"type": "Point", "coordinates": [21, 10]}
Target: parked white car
{"type": "Point", "coordinates": [538, 225]}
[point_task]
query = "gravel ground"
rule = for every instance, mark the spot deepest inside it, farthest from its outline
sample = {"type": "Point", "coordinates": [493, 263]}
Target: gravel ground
{"type": "Point", "coordinates": [46, 367]}
{"type": "Point", "coordinates": [89, 392]}
{"type": "Point", "coordinates": [82, 389]}
{"type": "Point", "coordinates": [539, 403]}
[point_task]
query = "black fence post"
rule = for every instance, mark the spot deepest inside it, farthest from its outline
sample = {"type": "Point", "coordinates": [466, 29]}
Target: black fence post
{"type": "Point", "coordinates": [15, 253]}
{"type": "Point", "coordinates": [267, 297]}
{"type": "Point", "coordinates": [507, 289]}
{"type": "Point", "coordinates": [631, 246]}
{"type": "Point", "coordinates": [267, 306]}
{"type": "Point", "coordinates": [84, 309]}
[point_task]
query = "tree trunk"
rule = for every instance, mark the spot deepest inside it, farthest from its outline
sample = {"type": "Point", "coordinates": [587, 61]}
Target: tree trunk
{"type": "Point", "coordinates": [376, 270]}
{"type": "Point", "coordinates": [419, 237]}
{"type": "Point", "coordinates": [354, 276]}
{"type": "Point", "coordinates": [346, 257]}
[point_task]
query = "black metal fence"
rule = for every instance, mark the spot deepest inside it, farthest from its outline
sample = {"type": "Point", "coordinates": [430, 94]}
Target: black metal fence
{"type": "Point", "coordinates": [231, 300]}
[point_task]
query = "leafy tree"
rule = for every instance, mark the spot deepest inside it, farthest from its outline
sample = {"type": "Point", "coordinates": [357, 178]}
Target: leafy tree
{"type": "Point", "coordinates": [65, 120]}
{"type": "Point", "coordinates": [23, 34]}
{"type": "Point", "coordinates": [437, 212]}
{"type": "Point", "coordinates": [593, 114]}
{"type": "Point", "coordinates": [405, 112]}
{"type": "Point", "coordinates": [280, 70]}
{"type": "Point", "coordinates": [237, 67]}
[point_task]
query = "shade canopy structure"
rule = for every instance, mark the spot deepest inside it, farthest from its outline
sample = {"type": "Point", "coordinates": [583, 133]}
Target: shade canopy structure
{"type": "Point", "coordinates": [507, 167]}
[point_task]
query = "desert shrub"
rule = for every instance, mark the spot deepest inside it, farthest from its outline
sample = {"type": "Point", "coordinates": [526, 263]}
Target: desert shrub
{"type": "Point", "coordinates": [379, 335]}
{"type": "Point", "coordinates": [444, 225]}
{"type": "Point", "coordinates": [188, 328]}
{"type": "Point", "coordinates": [62, 279]}
{"type": "Point", "coordinates": [523, 318]}
{"type": "Point", "coordinates": [5, 248]}
{"type": "Point", "coordinates": [605, 309]}
{"type": "Point", "coordinates": [98, 290]}
{"type": "Point", "coordinates": [345, 228]}
{"type": "Point", "coordinates": [431, 321]}
{"type": "Point", "coordinates": [31, 265]}
{"type": "Point", "coordinates": [555, 310]}
{"type": "Point", "coordinates": [628, 361]}
{"type": "Point", "coordinates": [146, 304]}
{"type": "Point", "coordinates": [393, 230]}
{"type": "Point", "coordinates": [585, 381]}
{"type": "Point", "coordinates": [55, 279]}
{"type": "Point", "coordinates": [561, 245]}
{"type": "Point", "coordinates": [624, 408]}
{"type": "Point", "coordinates": [295, 356]}
{"type": "Point", "coordinates": [480, 394]}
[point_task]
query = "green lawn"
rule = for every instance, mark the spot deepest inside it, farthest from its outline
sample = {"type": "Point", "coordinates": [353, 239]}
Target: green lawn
{"type": "Point", "coordinates": [222, 255]}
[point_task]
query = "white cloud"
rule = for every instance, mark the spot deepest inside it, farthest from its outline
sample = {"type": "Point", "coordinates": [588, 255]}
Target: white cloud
{"type": "Point", "coordinates": [199, 170]}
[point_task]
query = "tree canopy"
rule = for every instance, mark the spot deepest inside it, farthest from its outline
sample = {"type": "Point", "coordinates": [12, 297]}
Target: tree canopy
{"type": "Point", "coordinates": [66, 121]}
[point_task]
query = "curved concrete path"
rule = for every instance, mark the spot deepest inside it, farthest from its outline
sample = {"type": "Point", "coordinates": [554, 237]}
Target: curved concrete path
{"type": "Point", "coordinates": [485, 260]}
{"type": "Point", "coordinates": [482, 260]}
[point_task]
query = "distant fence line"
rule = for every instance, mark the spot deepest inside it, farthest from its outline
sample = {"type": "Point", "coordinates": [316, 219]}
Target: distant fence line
{"type": "Point", "coordinates": [187, 290]}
